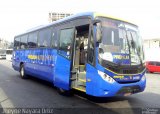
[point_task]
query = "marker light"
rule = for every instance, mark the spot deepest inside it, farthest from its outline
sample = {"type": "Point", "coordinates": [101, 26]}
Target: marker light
{"type": "Point", "coordinates": [106, 77]}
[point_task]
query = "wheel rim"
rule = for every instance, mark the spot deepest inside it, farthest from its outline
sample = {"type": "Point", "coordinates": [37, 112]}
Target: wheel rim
{"type": "Point", "coordinates": [22, 71]}
{"type": "Point", "coordinates": [61, 90]}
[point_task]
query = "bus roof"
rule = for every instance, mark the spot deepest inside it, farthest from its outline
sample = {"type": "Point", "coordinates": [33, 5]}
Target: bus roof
{"type": "Point", "coordinates": [92, 15]}
{"type": "Point", "coordinates": [111, 17]}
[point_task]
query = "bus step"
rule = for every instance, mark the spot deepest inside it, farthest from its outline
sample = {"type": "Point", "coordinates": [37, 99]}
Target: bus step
{"type": "Point", "coordinates": [73, 72]}
{"type": "Point", "coordinates": [82, 86]}
{"type": "Point", "coordinates": [72, 79]}
{"type": "Point", "coordinates": [81, 68]}
{"type": "Point", "coordinates": [81, 83]}
{"type": "Point", "coordinates": [82, 75]}
{"type": "Point", "coordinates": [80, 89]}
{"type": "Point", "coordinates": [82, 80]}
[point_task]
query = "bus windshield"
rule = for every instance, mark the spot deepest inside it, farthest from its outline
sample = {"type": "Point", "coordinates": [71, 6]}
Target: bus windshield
{"type": "Point", "coordinates": [120, 42]}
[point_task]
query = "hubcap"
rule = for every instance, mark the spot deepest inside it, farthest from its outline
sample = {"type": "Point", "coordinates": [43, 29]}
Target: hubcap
{"type": "Point", "coordinates": [22, 72]}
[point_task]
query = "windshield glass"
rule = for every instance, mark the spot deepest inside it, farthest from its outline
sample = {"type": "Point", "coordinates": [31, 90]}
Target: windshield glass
{"type": "Point", "coordinates": [120, 42]}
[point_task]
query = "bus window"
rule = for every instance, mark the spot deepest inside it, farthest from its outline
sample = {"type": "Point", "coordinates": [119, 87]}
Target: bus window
{"type": "Point", "coordinates": [17, 43]}
{"type": "Point", "coordinates": [32, 40]}
{"type": "Point", "coordinates": [65, 42]}
{"type": "Point", "coordinates": [44, 38]}
{"type": "Point", "coordinates": [23, 43]}
{"type": "Point", "coordinates": [91, 54]}
{"type": "Point", "coordinates": [54, 39]}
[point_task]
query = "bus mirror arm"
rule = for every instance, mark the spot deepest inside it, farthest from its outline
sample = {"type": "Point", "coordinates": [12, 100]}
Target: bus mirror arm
{"type": "Point", "coordinates": [97, 44]}
{"type": "Point", "coordinates": [94, 22]}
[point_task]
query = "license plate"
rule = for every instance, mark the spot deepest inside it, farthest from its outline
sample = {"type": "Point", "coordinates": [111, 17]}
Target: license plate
{"type": "Point", "coordinates": [127, 94]}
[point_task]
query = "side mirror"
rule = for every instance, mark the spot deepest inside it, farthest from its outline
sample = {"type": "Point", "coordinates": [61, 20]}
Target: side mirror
{"type": "Point", "coordinates": [98, 32]}
{"type": "Point", "coordinates": [133, 44]}
{"type": "Point", "coordinates": [97, 24]}
{"type": "Point", "coordinates": [94, 22]}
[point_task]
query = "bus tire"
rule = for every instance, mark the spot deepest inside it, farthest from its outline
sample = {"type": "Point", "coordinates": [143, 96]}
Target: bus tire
{"type": "Point", "coordinates": [64, 92]}
{"type": "Point", "coordinates": [22, 72]}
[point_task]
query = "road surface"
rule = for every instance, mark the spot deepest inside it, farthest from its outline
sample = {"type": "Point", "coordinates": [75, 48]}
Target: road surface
{"type": "Point", "coordinates": [34, 93]}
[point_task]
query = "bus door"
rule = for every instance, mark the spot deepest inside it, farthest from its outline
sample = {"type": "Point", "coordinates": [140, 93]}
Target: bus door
{"type": "Point", "coordinates": [78, 73]}
{"type": "Point", "coordinates": [64, 59]}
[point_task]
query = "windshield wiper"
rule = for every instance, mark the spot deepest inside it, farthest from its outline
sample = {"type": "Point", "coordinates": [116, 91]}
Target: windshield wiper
{"type": "Point", "coordinates": [133, 46]}
{"type": "Point", "coordinates": [128, 47]}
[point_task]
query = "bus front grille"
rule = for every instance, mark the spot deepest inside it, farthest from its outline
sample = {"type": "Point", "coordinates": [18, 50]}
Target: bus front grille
{"type": "Point", "coordinates": [126, 70]}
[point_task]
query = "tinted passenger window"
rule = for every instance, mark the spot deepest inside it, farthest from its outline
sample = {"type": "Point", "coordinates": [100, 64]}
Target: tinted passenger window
{"type": "Point", "coordinates": [151, 63]}
{"type": "Point", "coordinates": [54, 39]}
{"type": "Point", "coordinates": [17, 43]}
{"type": "Point", "coordinates": [23, 43]}
{"type": "Point", "coordinates": [65, 42]}
{"type": "Point", "coordinates": [44, 38]}
{"type": "Point", "coordinates": [91, 54]}
{"type": "Point", "coordinates": [32, 40]}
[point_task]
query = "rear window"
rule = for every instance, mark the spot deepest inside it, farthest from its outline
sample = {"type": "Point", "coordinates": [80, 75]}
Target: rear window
{"type": "Point", "coordinates": [154, 63]}
{"type": "Point", "coordinates": [157, 63]}
{"type": "Point", "coordinates": [151, 63]}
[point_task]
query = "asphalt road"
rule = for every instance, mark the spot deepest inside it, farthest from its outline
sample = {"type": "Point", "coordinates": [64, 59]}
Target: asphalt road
{"type": "Point", "coordinates": [34, 93]}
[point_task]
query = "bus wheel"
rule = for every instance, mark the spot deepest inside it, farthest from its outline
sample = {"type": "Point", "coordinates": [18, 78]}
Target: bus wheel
{"type": "Point", "coordinates": [64, 92]}
{"type": "Point", "coordinates": [22, 72]}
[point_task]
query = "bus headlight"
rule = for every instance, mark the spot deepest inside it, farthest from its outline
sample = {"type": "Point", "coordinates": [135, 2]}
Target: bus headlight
{"type": "Point", "coordinates": [143, 77]}
{"type": "Point", "coordinates": [106, 77]}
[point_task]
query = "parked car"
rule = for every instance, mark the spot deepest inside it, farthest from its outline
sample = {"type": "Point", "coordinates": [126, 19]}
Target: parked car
{"type": "Point", "coordinates": [2, 54]}
{"type": "Point", "coordinates": [153, 66]}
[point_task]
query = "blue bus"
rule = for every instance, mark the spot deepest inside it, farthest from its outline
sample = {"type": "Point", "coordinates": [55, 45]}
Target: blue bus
{"type": "Point", "coordinates": [89, 52]}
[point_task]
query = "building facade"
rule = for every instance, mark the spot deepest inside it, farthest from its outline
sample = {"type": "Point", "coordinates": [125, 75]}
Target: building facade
{"type": "Point", "coordinates": [152, 49]}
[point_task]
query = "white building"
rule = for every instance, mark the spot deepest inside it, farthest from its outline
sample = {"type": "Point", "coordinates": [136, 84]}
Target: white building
{"type": "Point", "coordinates": [152, 49]}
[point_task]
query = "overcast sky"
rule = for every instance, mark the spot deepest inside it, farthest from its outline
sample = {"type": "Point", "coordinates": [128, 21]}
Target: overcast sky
{"type": "Point", "coordinates": [17, 16]}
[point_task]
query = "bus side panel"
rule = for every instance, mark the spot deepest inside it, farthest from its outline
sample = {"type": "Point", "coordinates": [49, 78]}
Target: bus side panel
{"type": "Point", "coordinates": [16, 60]}
{"type": "Point", "coordinates": [44, 64]}
{"type": "Point", "coordinates": [40, 63]}
{"type": "Point", "coordinates": [91, 81]}
{"type": "Point", "coordinates": [62, 73]}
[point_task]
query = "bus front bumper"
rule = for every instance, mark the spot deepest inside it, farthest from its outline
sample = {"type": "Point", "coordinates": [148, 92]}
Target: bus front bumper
{"type": "Point", "coordinates": [116, 89]}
